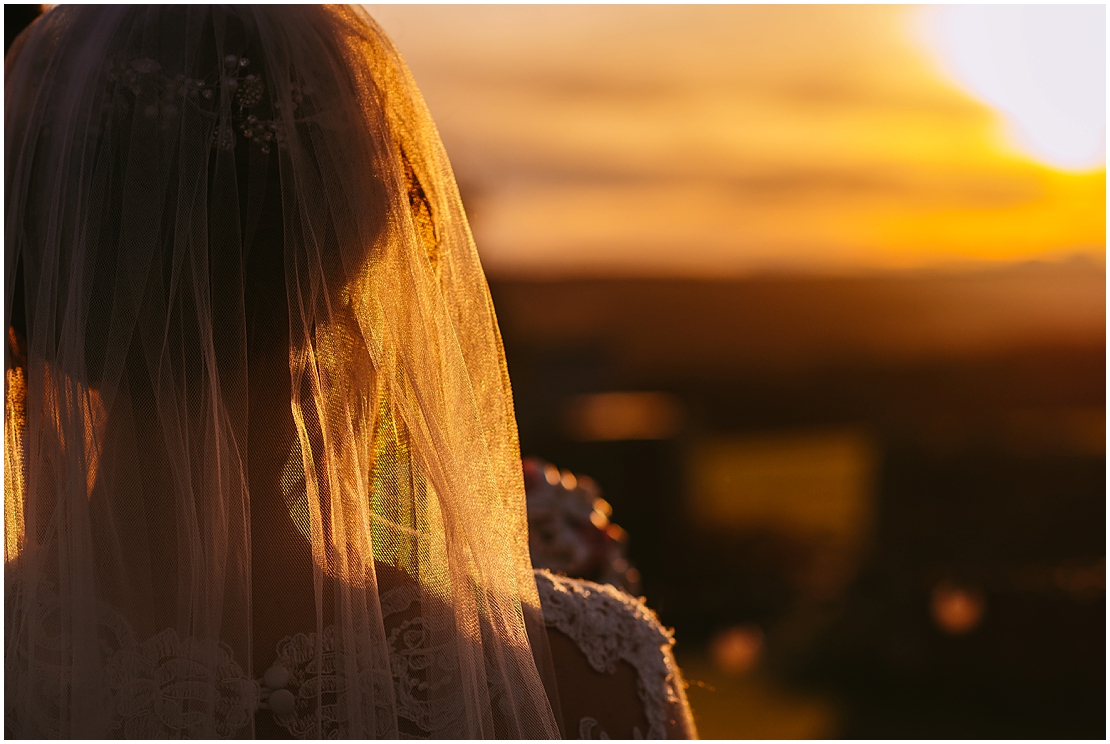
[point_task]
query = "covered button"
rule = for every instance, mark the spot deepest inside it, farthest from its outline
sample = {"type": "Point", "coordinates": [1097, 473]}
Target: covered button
{"type": "Point", "coordinates": [282, 702]}
{"type": "Point", "coordinates": [276, 677]}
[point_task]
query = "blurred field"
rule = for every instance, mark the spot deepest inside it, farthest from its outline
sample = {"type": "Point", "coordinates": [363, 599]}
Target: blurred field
{"type": "Point", "coordinates": [951, 583]}
{"type": "Point", "coordinates": [752, 707]}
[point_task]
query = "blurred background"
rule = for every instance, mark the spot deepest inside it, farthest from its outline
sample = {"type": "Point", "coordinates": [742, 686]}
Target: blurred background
{"type": "Point", "coordinates": [816, 294]}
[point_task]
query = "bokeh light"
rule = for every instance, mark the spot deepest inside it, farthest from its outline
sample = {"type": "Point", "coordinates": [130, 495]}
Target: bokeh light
{"type": "Point", "coordinates": [957, 610]}
{"type": "Point", "coordinates": [623, 415]}
{"type": "Point", "coordinates": [737, 650]}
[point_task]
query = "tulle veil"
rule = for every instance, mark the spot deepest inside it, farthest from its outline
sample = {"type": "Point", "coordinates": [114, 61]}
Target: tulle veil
{"type": "Point", "coordinates": [192, 193]}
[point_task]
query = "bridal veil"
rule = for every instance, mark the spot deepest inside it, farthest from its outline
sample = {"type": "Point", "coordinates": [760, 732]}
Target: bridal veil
{"type": "Point", "coordinates": [190, 193]}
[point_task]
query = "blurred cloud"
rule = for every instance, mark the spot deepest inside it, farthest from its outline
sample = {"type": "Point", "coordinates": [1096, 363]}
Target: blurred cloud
{"type": "Point", "coordinates": [722, 140]}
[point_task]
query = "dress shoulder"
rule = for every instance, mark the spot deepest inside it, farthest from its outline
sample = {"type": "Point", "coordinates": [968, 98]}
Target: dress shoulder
{"type": "Point", "coordinates": [610, 626]}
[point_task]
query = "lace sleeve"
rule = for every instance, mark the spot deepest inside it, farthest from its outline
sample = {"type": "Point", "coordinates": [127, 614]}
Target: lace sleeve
{"type": "Point", "coordinates": [611, 627]}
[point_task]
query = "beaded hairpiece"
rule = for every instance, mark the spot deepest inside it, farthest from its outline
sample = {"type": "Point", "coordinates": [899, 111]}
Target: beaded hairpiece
{"type": "Point", "coordinates": [166, 95]}
{"type": "Point", "coordinates": [144, 76]}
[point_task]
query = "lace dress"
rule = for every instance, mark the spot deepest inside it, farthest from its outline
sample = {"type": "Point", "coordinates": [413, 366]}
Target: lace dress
{"type": "Point", "coordinates": [302, 691]}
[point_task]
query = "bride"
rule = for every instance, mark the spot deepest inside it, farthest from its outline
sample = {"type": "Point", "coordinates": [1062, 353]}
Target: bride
{"type": "Point", "coordinates": [262, 475]}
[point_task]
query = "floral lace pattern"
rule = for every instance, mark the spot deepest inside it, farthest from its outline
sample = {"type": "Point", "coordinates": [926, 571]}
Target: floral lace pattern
{"type": "Point", "coordinates": [419, 671]}
{"type": "Point", "coordinates": [166, 687]}
{"type": "Point", "coordinates": [147, 678]}
{"type": "Point", "coordinates": [173, 687]}
{"type": "Point", "coordinates": [607, 624]}
{"type": "Point", "coordinates": [611, 626]}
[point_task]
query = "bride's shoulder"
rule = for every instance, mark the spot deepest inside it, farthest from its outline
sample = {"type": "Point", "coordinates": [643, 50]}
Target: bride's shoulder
{"type": "Point", "coordinates": [613, 661]}
{"type": "Point", "coordinates": [607, 623]}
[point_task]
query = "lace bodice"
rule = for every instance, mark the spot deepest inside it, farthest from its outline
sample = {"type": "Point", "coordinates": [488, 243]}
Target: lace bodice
{"type": "Point", "coordinates": [304, 688]}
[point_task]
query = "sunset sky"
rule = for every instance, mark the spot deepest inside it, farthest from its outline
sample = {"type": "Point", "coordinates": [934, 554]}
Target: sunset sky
{"type": "Point", "coordinates": [726, 140]}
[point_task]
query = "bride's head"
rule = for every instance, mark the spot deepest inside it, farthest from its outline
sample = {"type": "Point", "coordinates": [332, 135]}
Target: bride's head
{"type": "Point", "coordinates": [216, 214]}
{"type": "Point", "coordinates": [215, 145]}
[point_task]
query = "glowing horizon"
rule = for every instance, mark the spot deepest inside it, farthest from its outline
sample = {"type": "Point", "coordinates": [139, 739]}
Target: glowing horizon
{"type": "Point", "coordinates": [726, 140]}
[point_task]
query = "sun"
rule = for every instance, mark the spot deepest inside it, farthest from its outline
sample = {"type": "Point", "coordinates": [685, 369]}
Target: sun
{"type": "Point", "coordinates": [1043, 67]}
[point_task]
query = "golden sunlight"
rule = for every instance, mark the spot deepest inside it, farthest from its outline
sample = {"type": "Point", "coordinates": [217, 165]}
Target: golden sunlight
{"type": "Point", "coordinates": [722, 140]}
{"type": "Point", "coordinates": [15, 391]}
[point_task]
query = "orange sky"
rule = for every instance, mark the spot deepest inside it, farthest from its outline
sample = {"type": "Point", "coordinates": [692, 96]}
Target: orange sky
{"type": "Point", "coordinates": [722, 140]}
